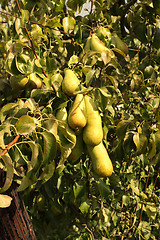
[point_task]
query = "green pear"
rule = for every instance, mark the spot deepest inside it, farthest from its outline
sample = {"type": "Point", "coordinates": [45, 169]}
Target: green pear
{"type": "Point", "coordinates": [63, 126]}
{"type": "Point", "coordinates": [119, 43]}
{"type": "Point", "coordinates": [18, 82]}
{"type": "Point", "coordinates": [70, 83]}
{"type": "Point", "coordinates": [77, 150]}
{"type": "Point", "coordinates": [92, 132]}
{"type": "Point", "coordinates": [102, 164]}
{"type": "Point", "coordinates": [77, 118]}
{"type": "Point", "coordinates": [97, 44]}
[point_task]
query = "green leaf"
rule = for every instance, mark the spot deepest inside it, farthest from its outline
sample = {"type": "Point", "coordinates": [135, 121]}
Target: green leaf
{"type": "Point", "coordinates": [25, 16]}
{"type": "Point", "coordinates": [134, 186]}
{"type": "Point", "coordinates": [85, 205]}
{"type": "Point", "coordinates": [7, 110]}
{"type": "Point", "coordinates": [122, 128]}
{"type": "Point", "coordinates": [25, 183]}
{"type": "Point", "coordinates": [125, 200]}
{"type": "Point", "coordinates": [141, 142]}
{"type": "Point", "coordinates": [145, 229]}
{"type": "Point", "coordinates": [34, 158]}
{"type": "Point", "coordinates": [25, 125]}
{"type": "Point", "coordinates": [47, 173]}
{"type": "Point", "coordinates": [79, 190]}
{"type": "Point", "coordinates": [50, 147]}
{"type": "Point", "coordinates": [23, 64]}
{"type": "Point", "coordinates": [68, 24]}
{"type": "Point", "coordinates": [73, 60]}
{"type": "Point", "coordinates": [89, 77]}
{"type": "Point", "coordinates": [103, 189]}
{"type": "Point", "coordinates": [9, 172]}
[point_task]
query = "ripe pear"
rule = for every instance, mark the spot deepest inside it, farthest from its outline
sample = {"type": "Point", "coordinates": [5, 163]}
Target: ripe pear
{"type": "Point", "coordinates": [119, 43]}
{"type": "Point", "coordinates": [77, 117]}
{"type": "Point", "coordinates": [63, 126]}
{"type": "Point", "coordinates": [70, 82]}
{"type": "Point", "coordinates": [102, 164]}
{"type": "Point", "coordinates": [92, 132]}
{"type": "Point", "coordinates": [97, 44]}
{"type": "Point", "coordinates": [77, 150]}
{"type": "Point", "coordinates": [34, 82]}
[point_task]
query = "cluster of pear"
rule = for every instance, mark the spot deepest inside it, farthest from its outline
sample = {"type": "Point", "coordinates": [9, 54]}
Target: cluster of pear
{"type": "Point", "coordinates": [93, 43]}
{"type": "Point", "coordinates": [25, 83]}
{"type": "Point", "coordinates": [85, 121]}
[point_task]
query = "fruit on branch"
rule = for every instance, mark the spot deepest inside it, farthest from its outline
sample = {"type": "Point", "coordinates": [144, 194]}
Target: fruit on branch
{"type": "Point", "coordinates": [101, 161]}
{"type": "Point", "coordinates": [97, 44]}
{"type": "Point", "coordinates": [70, 83]}
{"type": "Point", "coordinates": [119, 43]}
{"type": "Point", "coordinates": [18, 82]}
{"type": "Point", "coordinates": [34, 82]}
{"type": "Point", "coordinates": [77, 118]}
{"type": "Point", "coordinates": [77, 151]}
{"type": "Point", "coordinates": [63, 126]}
{"type": "Point", "coordinates": [92, 132]}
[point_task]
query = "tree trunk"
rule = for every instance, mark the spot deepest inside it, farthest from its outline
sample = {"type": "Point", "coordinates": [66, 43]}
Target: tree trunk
{"type": "Point", "coordinates": [15, 223]}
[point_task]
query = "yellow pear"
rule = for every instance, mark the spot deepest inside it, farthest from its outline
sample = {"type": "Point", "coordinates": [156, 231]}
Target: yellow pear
{"type": "Point", "coordinates": [102, 164]}
{"type": "Point", "coordinates": [92, 132]}
{"type": "Point", "coordinates": [77, 118]}
{"type": "Point", "coordinates": [77, 150]}
{"type": "Point", "coordinates": [70, 82]}
{"type": "Point", "coordinates": [97, 44]}
{"type": "Point", "coordinates": [34, 81]}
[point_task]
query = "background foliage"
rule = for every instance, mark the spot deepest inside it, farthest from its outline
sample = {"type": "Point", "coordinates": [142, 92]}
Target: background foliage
{"type": "Point", "coordinates": [38, 40]}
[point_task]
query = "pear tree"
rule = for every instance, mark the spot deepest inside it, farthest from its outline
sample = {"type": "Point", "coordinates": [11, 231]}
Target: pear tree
{"type": "Point", "coordinates": [79, 116]}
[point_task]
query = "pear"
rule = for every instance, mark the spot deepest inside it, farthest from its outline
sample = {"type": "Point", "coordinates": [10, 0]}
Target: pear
{"type": "Point", "coordinates": [102, 164]}
{"type": "Point", "coordinates": [34, 82]}
{"type": "Point", "coordinates": [92, 132]}
{"type": "Point", "coordinates": [77, 118]}
{"type": "Point", "coordinates": [18, 82]}
{"type": "Point", "coordinates": [77, 150]}
{"type": "Point", "coordinates": [119, 43]}
{"type": "Point", "coordinates": [64, 128]}
{"type": "Point", "coordinates": [97, 44]}
{"type": "Point", "coordinates": [70, 82]}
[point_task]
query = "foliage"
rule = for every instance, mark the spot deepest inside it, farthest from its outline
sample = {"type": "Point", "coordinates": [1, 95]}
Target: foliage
{"type": "Point", "coordinates": [38, 40]}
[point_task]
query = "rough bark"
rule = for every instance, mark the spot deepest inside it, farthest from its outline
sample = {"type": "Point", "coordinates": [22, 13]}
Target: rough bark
{"type": "Point", "coordinates": [15, 222]}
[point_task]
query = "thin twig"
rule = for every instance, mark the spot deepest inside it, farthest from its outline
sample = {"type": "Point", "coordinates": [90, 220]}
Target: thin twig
{"type": "Point", "coordinates": [30, 39]}
{"type": "Point", "coordinates": [10, 145]}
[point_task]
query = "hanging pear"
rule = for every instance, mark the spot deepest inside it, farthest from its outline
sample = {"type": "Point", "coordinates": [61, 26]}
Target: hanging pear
{"type": "Point", "coordinates": [92, 132]}
{"type": "Point", "coordinates": [77, 118]}
{"type": "Point", "coordinates": [97, 44]}
{"type": "Point", "coordinates": [101, 161]}
{"type": "Point", "coordinates": [119, 43]}
{"type": "Point", "coordinates": [70, 82]}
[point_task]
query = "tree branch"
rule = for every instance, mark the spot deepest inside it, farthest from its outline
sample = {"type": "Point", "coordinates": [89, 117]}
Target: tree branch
{"type": "Point", "coordinates": [10, 145]}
